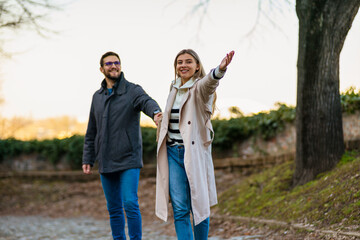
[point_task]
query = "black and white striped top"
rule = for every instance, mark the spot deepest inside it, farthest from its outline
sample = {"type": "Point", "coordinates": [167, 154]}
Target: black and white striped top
{"type": "Point", "coordinates": [174, 136]}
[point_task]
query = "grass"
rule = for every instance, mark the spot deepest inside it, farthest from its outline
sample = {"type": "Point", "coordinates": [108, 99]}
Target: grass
{"type": "Point", "coordinates": [332, 199]}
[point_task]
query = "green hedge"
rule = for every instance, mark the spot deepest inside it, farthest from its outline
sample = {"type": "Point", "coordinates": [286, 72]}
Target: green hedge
{"type": "Point", "coordinates": [267, 125]}
{"type": "Point", "coordinates": [227, 134]}
{"type": "Point", "coordinates": [350, 100]}
{"type": "Point", "coordinates": [52, 150]}
{"type": "Point", "coordinates": [72, 148]}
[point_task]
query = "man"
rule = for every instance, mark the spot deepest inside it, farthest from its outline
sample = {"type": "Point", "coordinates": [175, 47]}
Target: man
{"type": "Point", "coordinates": [113, 138]}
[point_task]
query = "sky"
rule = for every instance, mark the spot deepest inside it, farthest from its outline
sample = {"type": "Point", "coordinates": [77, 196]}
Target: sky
{"type": "Point", "coordinates": [57, 75]}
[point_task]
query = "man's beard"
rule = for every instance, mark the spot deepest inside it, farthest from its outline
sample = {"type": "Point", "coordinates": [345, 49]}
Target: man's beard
{"type": "Point", "coordinates": [109, 76]}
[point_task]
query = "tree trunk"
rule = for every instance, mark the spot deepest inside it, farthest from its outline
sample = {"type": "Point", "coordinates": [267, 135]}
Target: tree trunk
{"type": "Point", "coordinates": [323, 26]}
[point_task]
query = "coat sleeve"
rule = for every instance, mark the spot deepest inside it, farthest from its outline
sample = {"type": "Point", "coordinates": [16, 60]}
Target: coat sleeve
{"type": "Point", "coordinates": [89, 142]}
{"type": "Point", "coordinates": [143, 102]}
{"type": "Point", "coordinates": [207, 86]}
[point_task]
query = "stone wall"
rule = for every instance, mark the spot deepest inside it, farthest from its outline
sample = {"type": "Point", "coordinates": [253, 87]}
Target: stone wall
{"type": "Point", "coordinates": [32, 162]}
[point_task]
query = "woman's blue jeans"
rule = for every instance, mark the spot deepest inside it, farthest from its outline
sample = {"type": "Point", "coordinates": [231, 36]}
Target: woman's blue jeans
{"type": "Point", "coordinates": [180, 198]}
{"type": "Point", "coordinates": [120, 189]}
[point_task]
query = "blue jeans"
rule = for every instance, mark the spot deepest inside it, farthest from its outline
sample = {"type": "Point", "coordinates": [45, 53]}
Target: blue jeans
{"type": "Point", "coordinates": [180, 198]}
{"type": "Point", "coordinates": [120, 189]}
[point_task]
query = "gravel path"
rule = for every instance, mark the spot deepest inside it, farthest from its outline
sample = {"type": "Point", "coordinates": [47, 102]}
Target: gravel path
{"type": "Point", "coordinates": [35, 227]}
{"type": "Point", "coordinates": [44, 228]}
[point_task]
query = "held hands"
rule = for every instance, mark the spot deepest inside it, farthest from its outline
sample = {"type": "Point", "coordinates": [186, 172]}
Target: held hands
{"type": "Point", "coordinates": [157, 118]}
{"type": "Point", "coordinates": [226, 61]}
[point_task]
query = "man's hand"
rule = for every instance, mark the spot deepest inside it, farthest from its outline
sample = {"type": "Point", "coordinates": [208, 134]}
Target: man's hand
{"type": "Point", "coordinates": [157, 118]}
{"type": "Point", "coordinates": [86, 168]}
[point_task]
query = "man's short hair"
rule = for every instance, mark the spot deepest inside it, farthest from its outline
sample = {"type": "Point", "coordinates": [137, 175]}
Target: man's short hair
{"type": "Point", "coordinates": [106, 55]}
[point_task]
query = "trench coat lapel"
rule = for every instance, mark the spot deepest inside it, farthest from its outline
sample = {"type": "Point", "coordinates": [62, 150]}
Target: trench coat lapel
{"type": "Point", "coordinates": [165, 121]}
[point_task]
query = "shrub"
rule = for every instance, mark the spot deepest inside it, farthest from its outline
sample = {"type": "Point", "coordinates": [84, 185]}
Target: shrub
{"type": "Point", "coordinates": [228, 133]}
{"type": "Point", "coordinates": [350, 100]}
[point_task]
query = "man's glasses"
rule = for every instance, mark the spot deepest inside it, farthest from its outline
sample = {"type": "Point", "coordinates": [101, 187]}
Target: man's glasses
{"type": "Point", "coordinates": [109, 64]}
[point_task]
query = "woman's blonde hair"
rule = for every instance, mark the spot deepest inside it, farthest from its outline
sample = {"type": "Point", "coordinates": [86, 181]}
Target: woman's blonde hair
{"type": "Point", "coordinates": [198, 74]}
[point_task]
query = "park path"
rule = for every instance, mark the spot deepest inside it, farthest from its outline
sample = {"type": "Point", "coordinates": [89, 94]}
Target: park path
{"type": "Point", "coordinates": [44, 228]}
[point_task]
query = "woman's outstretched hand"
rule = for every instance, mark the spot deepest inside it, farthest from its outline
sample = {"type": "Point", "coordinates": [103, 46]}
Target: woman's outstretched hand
{"type": "Point", "coordinates": [226, 61]}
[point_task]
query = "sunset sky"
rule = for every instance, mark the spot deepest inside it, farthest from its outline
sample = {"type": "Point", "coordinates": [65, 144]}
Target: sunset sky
{"type": "Point", "coordinates": [56, 76]}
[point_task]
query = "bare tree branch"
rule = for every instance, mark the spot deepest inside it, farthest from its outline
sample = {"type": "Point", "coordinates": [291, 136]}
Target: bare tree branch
{"type": "Point", "coordinates": [23, 14]}
{"type": "Point", "coordinates": [205, 5]}
{"type": "Point", "coordinates": [31, 14]}
{"type": "Point", "coordinates": [266, 9]}
{"type": "Point", "coordinates": [200, 7]}
{"type": "Point", "coordinates": [251, 32]}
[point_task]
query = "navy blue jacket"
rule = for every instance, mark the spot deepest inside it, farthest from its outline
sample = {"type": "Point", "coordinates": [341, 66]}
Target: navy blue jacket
{"type": "Point", "coordinates": [113, 137]}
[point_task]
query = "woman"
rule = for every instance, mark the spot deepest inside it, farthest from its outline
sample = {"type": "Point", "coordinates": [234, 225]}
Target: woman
{"type": "Point", "coordinates": [185, 170]}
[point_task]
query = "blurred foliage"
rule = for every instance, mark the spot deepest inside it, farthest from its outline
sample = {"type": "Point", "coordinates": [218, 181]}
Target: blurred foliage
{"type": "Point", "coordinates": [149, 144]}
{"type": "Point", "coordinates": [74, 149]}
{"type": "Point", "coordinates": [228, 133]}
{"type": "Point", "coordinates": [52, 150]}
{"type": "Point", "coordinates": [267, 124]}
{"type": "Point", "coordinates": [235, 112]}
{"type": "Point", "coordinates": [350, 100]}
{"type": "Point", "coordinates": [264, 124]}
{"type": "Point", "coordinates": [349, 156]}
{"type": "Point", "coordinates": [71, 148]}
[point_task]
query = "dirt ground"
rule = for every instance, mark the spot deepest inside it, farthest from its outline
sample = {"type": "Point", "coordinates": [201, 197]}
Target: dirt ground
{"type": "Point", "coordinates": [25, 197]}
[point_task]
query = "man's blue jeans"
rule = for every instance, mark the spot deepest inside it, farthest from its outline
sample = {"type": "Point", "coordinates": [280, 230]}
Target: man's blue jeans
{"type": "Point", "coordinates": [120, 189]}
{"type": "Point", "coordinates": [180, 198]}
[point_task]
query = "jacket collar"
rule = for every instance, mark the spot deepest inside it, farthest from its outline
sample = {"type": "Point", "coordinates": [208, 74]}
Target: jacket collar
{"type": "Point", "coordinates": [188, 84]}
{"type": "Point", "coordinates": [119, 86]}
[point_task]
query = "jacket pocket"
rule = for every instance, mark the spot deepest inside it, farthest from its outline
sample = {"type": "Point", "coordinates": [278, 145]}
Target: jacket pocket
{"type": "Point", "coordinates": [208, 126]}
{"type": "Point", "coordinates": [210, 133]}
{"type": "Point", "coordinates": [120, 145]}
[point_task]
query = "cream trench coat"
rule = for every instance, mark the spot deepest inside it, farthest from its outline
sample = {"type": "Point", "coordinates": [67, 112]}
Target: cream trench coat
{"type": "Point", "coordinates": [197, 133]}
